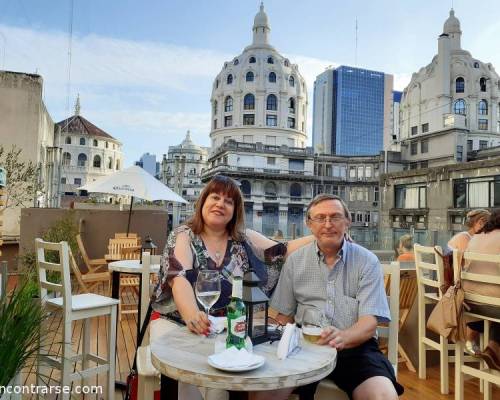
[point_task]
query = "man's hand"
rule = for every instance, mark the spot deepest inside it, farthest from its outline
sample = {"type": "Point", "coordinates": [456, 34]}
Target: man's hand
{"type": "Point", "coordinates": [198, 323]}
{"type": "Point", "coordinates": [334, 337]}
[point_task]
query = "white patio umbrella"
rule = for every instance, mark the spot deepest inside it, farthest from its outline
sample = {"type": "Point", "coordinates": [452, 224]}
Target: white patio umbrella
{"type": "Point", "coordinates": [135, 182]}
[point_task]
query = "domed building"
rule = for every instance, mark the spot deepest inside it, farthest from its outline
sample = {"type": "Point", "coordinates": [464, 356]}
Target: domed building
{"type": "Point", "coordinates": [451, 106]}
{"type": "Point", "coordinates": [258, 135]}
{"type": "Point", "coordinates": [259, 89]}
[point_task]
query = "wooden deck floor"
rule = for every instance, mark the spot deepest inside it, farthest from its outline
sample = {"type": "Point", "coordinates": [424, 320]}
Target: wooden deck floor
{"type": "Point", "coordinates": [415, 389]}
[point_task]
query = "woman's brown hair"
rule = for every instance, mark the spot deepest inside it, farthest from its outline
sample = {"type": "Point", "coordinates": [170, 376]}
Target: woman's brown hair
{"type": "Point", "coordinates": [493, 221]}
{"type": "Point", "coordinates": [221, 184]}
{"type": "Point", "coordinates": [475, 216]}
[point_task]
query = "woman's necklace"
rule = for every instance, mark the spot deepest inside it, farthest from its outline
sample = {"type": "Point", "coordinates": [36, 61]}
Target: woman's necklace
{"type": "Point", "coordinates": [218, 253]}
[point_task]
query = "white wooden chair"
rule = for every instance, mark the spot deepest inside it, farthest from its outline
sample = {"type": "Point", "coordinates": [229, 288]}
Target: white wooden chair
{"type": "Point", "coordinates": [327, 390]}
{"type": "Point", "coordinates": [484, 373]}
{"type": "Point", "coordinates": [74, 307]}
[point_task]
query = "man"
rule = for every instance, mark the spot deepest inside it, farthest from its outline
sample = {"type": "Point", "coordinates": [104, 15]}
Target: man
{"type": "Point", "coordinates": [345, 281]}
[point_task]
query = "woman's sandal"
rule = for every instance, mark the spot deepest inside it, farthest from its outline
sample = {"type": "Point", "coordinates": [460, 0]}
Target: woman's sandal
{"type": "Point", "coordinates": [491, 358]}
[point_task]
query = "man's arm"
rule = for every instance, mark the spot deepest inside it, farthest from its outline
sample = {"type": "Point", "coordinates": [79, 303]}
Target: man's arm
{"type": "Point", "coordinates": [354, 336]}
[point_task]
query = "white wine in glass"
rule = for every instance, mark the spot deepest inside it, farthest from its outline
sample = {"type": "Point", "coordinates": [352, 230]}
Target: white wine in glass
{"type": "Point", "coordinates": [207, 288]}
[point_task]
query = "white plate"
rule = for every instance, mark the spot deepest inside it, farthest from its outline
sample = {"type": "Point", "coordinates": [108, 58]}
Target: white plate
{"type": "Point", "coordinates": [257, 364]}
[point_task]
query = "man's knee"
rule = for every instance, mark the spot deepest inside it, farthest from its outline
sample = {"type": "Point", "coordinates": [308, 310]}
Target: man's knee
{"type": "Point", "coordinates": [375, 388]}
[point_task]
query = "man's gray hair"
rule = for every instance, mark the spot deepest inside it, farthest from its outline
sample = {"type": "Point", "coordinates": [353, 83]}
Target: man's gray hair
{"type": "Point", "coordinates": [320, 198]}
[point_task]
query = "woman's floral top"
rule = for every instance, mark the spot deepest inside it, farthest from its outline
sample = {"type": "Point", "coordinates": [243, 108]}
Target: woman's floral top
{"type": "Point", "coordinates": [235, 263]}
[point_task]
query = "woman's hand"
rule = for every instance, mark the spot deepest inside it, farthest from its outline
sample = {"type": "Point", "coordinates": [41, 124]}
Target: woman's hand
{"type": "Point", "coordinates": [198, 323]}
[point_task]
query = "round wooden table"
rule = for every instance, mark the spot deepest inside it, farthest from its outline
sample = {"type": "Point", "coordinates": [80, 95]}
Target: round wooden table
{"type": "Point", "coordinates": [182, 356]}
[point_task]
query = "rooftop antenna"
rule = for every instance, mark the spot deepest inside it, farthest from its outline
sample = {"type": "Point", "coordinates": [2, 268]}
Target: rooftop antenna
{"type": "Point", "coordinates": [70, 45]}
{"type": "Point", "coordinates": [356, 45]}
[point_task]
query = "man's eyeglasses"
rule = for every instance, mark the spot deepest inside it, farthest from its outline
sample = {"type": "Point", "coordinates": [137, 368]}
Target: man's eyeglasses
{"type": "Point", "coordinates": [322, 219]}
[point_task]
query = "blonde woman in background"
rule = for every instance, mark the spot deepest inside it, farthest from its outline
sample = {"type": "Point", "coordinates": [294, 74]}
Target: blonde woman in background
{"type": "Point", "coordinates": [474, 222]}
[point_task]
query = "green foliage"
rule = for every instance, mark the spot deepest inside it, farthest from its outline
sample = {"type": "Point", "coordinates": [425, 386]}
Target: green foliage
{"type": "Point", "coordinates": [23, 183]}
{"type": "Point", "coordinates": [21, 317]}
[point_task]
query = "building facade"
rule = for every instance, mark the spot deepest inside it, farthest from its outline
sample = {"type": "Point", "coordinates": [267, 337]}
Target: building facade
{"type": "Point", "coordinates": [148, 162]}
{"type": "Point", "coordinates": [451, 106]}
{"type": "Point", "coordinates": [27, 125]}
{"type": "Point", "coordinates": [88, 152]}
{"type": "Point", "coordinates": [181, 170]}
{"type": "Point", "coordinates": [352, 111]}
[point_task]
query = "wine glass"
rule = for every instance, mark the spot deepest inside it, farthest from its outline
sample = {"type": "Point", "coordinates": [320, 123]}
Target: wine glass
{"type": "Point", "coordinates": [313, 322]}
{"type": "Point", "coordinates": [207, 288]}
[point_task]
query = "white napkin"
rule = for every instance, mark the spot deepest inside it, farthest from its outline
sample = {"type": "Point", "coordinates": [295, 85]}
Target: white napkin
{"type": "Point", "coordinates": [217, 324]}
{"type": "Point", "coordinates": [234, 358]}
{"type": "Point", "coordinates": [289, 341]}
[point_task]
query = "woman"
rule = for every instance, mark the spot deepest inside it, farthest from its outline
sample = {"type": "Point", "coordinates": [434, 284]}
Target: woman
{"type": "Point", "coordinates": [215, 238]}
{"type": "Point", "coordinates": [474, 222]}
{"type": "Point", "coordinates": [486, 242]}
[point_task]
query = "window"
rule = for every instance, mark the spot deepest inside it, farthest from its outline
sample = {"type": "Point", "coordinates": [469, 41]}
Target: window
{"type": "Point", "coordinates": [249, 102]}
{"type": "Point", "coordinates": [360, 172]}
{"type": "Point", "coordinates": [272, 103]}
{"type": "Point", "coordinates": [228, 120]}
{"type": "Point", "coordinates": [215, 106]}
{"type": "Point", "coordinates": [215, 124]}
{"type": "Point", "coordinates": [352, 172]}
{"type": "Point", "coordinates": [479, 192]}
{"type": "Point", "coordinates": [459, 107]}
{"type": "Point", "coordinates": [459, 85]}
{"type": "Point", "coordinates": [68, 140]}
{"type": "Point", "coordinates": [414, 130]}
{"type": "Point", "coordinates": [424, 164]}
{"type": "Point", "coordinates": [414, 148]}
{"type": "Point", "coordinates": [376, 194]}
{"type": "Point", "coordinates": [97, 162]}
{"type": "Point", "coordinates": [78, 181]}
{"type": "Point", "coordinates": [271, 140]}
{"type": "Point", "coordinates": [368, 171]}
{"type": "Point", "coordinates": [270, 60]}
{"type": "Point", "coordinates": [460, 153]}
{"type": "Point", "coordinates": [291, 81]}
{"type": "Point", "coordinates": [410, 196]}
{"type": "Point", "coordinates": [483, 107]}
{"type": "Point", "coordinates": [270, 190]}
{"type": "Point", "coordinates": [291, 105]}
{"type": "Point", "coordinates": [117, 164]}
{"type": "Point", "coordinates": [246, 188]}
{"type": "Point", "coordinates": [251, 60]}
{"type": "Point", "coordinates": [424, 146]}
{"type": "Point", "coordinates": [82, 141]}
{"type": "Point", "coordinates": [249, 76]}
{"type": "Point", "coordinates": [236, 61]}
{"type": "Point", "coordinates": [469, 145]}
{"type": "Point", "coordinates": [248, 119]}
{"type": "Point", "coordinates": [295, 190]}
{"type": "Point", "coordinates": [482, 84]}
{"type": "Point", "coordinates": [425, 127]}
{"type": "Point", "coordinates": [216, 83]}
{"type": "Point", "coordinates": [110, 163]}
{"type": "Point", "coordinates": [271, 120]}
{"type": "Point", "coordinates": [272, 77]}
{"type": "Point", "coordinates": [271, 160]}
{"type": "Point", "coordinates": [476, 64]}
{"type": "Point", "coordinates": [106, 144]}
{"type": "Point", "coordinates": [482, 124]}
{"type": "Point", "coordinates": [95, 143]}
{"type": "Point", "coordinates": [63, 180]}
{"type": "Point", "coordinates": [483, 144]}
{"type": "Point", "coordinates": [287, 63]}
{"type": "Point", "coordinates": [228, 104]}
{"type": "Point", "coordinates": [82, 160]}
{"type": "Point", "coordinates": [291, 123]}
{"type": "Point", "coordinates": [66, 159]}
{"type": "Point", "coordinates": [229, 79]}
{"type": "Point", "coordinates": [295, 164]}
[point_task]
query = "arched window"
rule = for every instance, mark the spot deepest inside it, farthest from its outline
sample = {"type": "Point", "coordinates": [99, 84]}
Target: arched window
{"type": "Point", "coordinates": [229, 79]}
{"type": "Point", "coordinates": [270, 60]}
{"type": "Point", "coordinates": [82, 141]}
{"type": "Point", "coordinates": [476, 64]}
{"type": "Point", "coordinates": [110, 163]}
{"type": "Point", "coordinates": [249, 76]}
{"type": "Point", "coordinates": [482, 84]}
{"type": "Point", "coordinates": [249, 102]}
{"type": "Point", "coordinates": [459, 85]}
{"type": "Point", "coordinates": [272, 77]}
{"type": "Point", "coordinates": [82, 160]}
{"type": "Point", "coordinates": [291, 105]}
{"type": "Point", "coordinates": [246, 188]}
{"type": "Point", "coordinates": [483, 107]}
{"type": "Point", "coordinates": [97, 162]}
{"type": "Point", "coordinates": [272, 102]}
{"type": "Point", "coordinates": [459, 107]}
{"type": "Point", "coordinates": [66, 158]}
{"type": "Point", "coordinates": [295, 190]}
{"type": "Point", "coordinates": [228, 104]}
{"type": "Point", "coordinates": [291, 81]}
{"type": "Point", "coordinates": [287, 63]}
{"type": "Point", "coordinates": [215, 106]}
{"type": "Point", "coordinates": [236, 62]}
{"type": "Point", "coordinates": [216, 83]}
{"type": "Point", "coordinates": [270, 189]}
{"type": "Point", "coordinates": [68, 140]}
{"type": "Point", "coordinates": [251, 60]}
{"type": "Point", "coordinates": [95, 143]}
{"type": "Point", "coordinates": [117, 164]}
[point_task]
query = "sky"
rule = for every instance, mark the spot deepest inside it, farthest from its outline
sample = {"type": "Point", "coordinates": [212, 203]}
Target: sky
{"type": "Point", "coordinates": [144, 69]}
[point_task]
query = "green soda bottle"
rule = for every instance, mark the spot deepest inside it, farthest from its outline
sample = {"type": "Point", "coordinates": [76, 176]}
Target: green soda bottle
{"type": "Point", "coordinates": [236, 317]}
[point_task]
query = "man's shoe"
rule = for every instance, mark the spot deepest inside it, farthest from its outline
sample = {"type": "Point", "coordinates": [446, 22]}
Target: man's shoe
{"type": "Point", "coordinates": [491, 358]}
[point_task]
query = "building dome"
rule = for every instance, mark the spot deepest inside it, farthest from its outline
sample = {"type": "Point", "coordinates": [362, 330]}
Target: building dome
{"type": "Point", "coordinates": [452, 24]}
{"type": "Point", "coordinates": [259, 96]}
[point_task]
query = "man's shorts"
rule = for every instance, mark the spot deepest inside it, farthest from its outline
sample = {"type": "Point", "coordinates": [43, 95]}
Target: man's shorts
{"type": "Point", "coordinates": [354, 366]}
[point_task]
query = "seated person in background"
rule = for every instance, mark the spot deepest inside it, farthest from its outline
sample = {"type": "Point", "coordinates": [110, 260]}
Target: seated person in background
{"type": "Point", "coordinates": [486, 242]}
{"type": "Point", "coordinates": [474, 222]}
{"type": "Point", "coordinates": [345, 281]}
{"type": "Point", "coordinates": [405, 248]}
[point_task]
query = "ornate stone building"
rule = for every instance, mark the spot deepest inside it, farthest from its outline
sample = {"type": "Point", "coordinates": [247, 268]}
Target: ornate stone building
{"type": "Point", "coordinates": [88, 152]}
